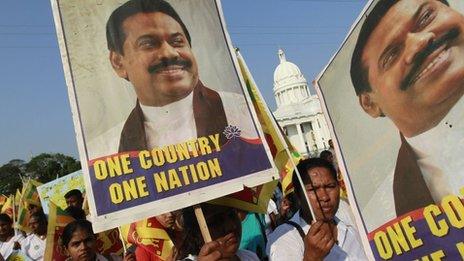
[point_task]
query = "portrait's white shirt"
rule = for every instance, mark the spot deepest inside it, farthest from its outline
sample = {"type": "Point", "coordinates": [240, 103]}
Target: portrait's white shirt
{"type": "Point", "coordinates": [285, 243]}
{"type": "Point", "coordinates": [179, 128]}
{"type": "Point", "coordinates": [34, 247]}
{"type": "Point", "coordinates": [440, 153]}
{"type": "Point", "coordinates": [6, 248]}
{"type": "Point", "coordinates": [169, 124]}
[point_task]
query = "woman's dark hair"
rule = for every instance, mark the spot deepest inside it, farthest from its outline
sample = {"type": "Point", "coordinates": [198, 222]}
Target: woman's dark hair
{"type": "Point", "coordinates": [72, 227]}
{"type": "Point", "coordinates": [192, 240]}
{"type": "Point", "coordinates": [5, 218]}
{"type": "Point", "coordinates": [40, 217]}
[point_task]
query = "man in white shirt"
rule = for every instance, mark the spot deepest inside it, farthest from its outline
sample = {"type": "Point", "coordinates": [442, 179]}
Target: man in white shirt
{"type": "Point", "coordinates": [8, 240]}
{"type": "Point", "coordinates": [34, 244]}
{"type": "Point", "coordinates": [408, 65]}
{"type": "Point", "coordinates": [331, 235]}
{"type": "Point", "coordinates": [150, 46]}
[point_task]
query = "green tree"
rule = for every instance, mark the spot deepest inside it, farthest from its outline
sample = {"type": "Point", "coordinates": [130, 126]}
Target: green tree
{"type": "Point", "coordinates": [47, 167]}
{"type": "Point", "coordinates": [10, 176]}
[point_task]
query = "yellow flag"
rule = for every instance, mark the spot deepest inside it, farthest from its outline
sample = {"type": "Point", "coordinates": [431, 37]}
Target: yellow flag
{"type": "Point", "coordinates": [8, 206]}
{"type": "Point", "coordinates": [285, 155]}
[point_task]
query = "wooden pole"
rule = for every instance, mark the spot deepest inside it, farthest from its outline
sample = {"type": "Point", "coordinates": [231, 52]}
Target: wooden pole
{"type": "Point", "coordinates": [202, 223]}
{"type": "Point", "coordinates": [122, 240]}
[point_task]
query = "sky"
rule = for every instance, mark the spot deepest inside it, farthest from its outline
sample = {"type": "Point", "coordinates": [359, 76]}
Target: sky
{"type": "Point", "coordinates": [34, 107]}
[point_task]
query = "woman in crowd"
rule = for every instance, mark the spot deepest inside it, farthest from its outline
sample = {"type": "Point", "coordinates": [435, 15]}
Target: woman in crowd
{"type": "Point", "coordinates": [79, 241]}
{"type": "Point", "coordinates": [225, 228]}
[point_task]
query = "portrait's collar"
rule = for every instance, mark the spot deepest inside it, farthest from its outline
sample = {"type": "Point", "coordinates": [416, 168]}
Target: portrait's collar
{"type": "Point", "coordinates": [168, 112]}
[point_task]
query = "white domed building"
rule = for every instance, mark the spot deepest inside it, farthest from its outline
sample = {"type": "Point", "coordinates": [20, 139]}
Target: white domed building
{"type": "Point", "coordinates": [298, 112]}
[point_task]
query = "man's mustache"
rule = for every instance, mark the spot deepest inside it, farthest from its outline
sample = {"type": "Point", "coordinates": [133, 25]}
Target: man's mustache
{"type": "Point", "coordinates": [420, 57]}
{"type": "Point", "coordinates": [169, 62]}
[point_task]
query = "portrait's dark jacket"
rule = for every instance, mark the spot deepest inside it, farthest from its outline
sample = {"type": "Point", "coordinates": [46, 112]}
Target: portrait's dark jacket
{"type": "Point", "coordinates": [409, 188]}
{"type": "Point", "coordinates": [208, 112]}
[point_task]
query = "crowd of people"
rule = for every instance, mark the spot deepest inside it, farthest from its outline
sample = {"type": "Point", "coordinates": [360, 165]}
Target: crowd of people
{"type": "Point", "coordinates": [288, 231]}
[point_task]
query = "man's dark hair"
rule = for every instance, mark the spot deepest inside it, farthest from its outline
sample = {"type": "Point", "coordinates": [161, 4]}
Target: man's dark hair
{"type": "Point", "coordinates": [70, 228]}
{"type": "Point", "coordinates": [359, 72]}
{"type": "Point", "coordinates": [304, 166]}
{"type": "Point", "coordinates": [5, 218]}
{"type": "Point", "coordinates": [115, 35]}
{"type": "Point", "coordinates": [325, 154]}
{"type": "Point", "coordinates": [75, 192]}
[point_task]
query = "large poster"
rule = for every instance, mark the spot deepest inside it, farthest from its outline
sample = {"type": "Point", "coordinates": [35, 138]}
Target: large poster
{"type": "Point", "coordinates": [160, 111]}
{"type": "Point", "coordinates": [393, 96]}
{"type": "Point", "coordinates": [55, 190]}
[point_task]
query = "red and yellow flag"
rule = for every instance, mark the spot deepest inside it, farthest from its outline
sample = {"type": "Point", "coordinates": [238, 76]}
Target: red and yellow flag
{"type": "Point", "coordinates": [29, 196]}
{"type": "Point", "coordinates": [57, 220]}
{"type": "Point", "coordinates": [109, 242]}
{"type": "Point", "coordinates": [7, 208]}
{"type": "Point", "coordinates": [3, 200]}
{"type": "Point", "coordinates": [150, 235]}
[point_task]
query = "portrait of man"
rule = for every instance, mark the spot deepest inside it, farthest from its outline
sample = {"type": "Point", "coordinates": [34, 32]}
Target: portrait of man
{"type": "Point", "coordinates": [160, 106]}
{"type": "Point", "coordinates": [150, 47]}
{"type": "Point", "coordinates": [408, 66]}
{"type": "Point", "coordinates": [393, 95]}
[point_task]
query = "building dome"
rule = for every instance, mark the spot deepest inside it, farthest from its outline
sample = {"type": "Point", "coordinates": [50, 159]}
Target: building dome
{"type": "Point", "coordinates": [298, 112]}
{"type": "Point", "coordinates": [285, 71]}
{"type": "Point", "coordinates": [290, 85]}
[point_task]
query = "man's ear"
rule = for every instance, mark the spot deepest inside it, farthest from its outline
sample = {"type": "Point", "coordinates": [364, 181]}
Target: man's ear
{"type": "Point", "coordinates": [116, 63]}
{"type": "Point", "coordinates": [369, 105]}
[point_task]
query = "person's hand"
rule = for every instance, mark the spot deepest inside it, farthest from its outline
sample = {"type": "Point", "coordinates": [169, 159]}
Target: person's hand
{"type": "Point", "coordinates": [284, 208]}
{"type": "Point", "coordinates": [223, 247]}
{"type": "Point", "coordinates": [320, 239]}
{"type": "Point", "coordinates": [210, 252]}
{"type": "Point", "coordinates": [129, 257]}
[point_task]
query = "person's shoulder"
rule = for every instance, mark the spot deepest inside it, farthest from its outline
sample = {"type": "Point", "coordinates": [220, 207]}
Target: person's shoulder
{"type": "Point", "coordinates": [285, 243]}
{"type": "Point", "coordinates": [344, 212]}
{"type": "Point", "coordinates": [246, 255]}
{"type": "Point", "coordinates": [282, 234]}
{"type": "Point", "coordinates": [30, 236]}
{"type": "Point", "coordinates": [18, 237]}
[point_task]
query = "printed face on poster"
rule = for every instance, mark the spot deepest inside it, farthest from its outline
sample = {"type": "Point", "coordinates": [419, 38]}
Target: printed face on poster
{"type": "Point", "coordinates": [393, 93]}
{"type": "Point", "coordinates": [161, 115]}
{"type": "Point", "coordinates": [55, 190]}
